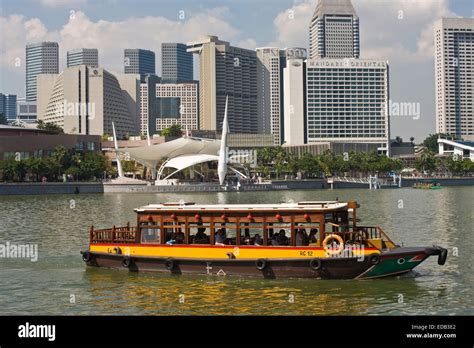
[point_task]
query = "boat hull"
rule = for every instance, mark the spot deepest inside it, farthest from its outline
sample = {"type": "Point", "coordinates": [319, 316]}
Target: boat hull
{"type": "Point", "coordinates": [394, 262]}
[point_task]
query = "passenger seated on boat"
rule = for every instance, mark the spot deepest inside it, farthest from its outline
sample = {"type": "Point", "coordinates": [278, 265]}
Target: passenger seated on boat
{"type": "Point", "coordinates": [246, 238]}
{"type": "Point", "coordinates": [313, 235]}
{"type": "Point", "coordinates": [281, 239]}
{"type": "Point", "coordinates": [258, 240]}
{"type": "Point", "coordinates": [179, 237]}
{"type": "Point", "coordinates": [220, 237]}
{"type": "Point", "coordinates": [201, 237]}
{"type": "Point", "coordinates": [302, 238]}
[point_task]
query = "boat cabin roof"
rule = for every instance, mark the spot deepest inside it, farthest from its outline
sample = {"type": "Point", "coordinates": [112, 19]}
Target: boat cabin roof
{"type": "Point", "coordinates": [300, 206]}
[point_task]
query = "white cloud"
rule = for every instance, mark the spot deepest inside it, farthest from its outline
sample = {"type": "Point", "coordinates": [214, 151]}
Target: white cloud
{"type": "Point", "coordinates": [62, 3]}
{"type": "Point", "coordinates": [396, 29]}
{"type": "Point", "coordinates": [112, 37]}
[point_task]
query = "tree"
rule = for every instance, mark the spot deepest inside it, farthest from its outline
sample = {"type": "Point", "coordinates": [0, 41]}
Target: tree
{"type": "Point", "coordinates": [3, 119]}
{"type": "Point", "coordinates": [426, 162]}
{"type": "Point", "coordinates": [173, 131]}
{"type": "Point", "coordinates": [412, 139]}
{"type": "Point", "coordinates": [51, 127]}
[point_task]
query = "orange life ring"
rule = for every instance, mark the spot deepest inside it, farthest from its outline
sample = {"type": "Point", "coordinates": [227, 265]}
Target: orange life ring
{"type": "Point", "coordinates": [329, 250]}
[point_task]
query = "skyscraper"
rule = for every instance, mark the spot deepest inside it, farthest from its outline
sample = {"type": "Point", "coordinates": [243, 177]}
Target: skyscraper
{"type": "Point", "coordinates": [271, 62]}
{"type": "Point", "coordinates": [334, 30]}
{"type": "Point", "coordinates": [269, 82]}
{"type": "Point", "coordinates": [226, 71]}
{"type": "Point", "coordinates": [148, 105]}
{"type": "Point", "coordinates": [176, 63]}
{"type": "Point", "coordinates": [177, 104]}
{"type": "Point", "coordinates": [454, 69]}
{"type": "Point", "coordinates": [8, 106]}
{"type": "Point", "coordinates": [347, 102]}
{"type": "Point", "coordinates": [139, 61]}
{"type": "Point", "coordinates": [41, 58]}
{"type": "Point", "coordinates": [85, 100]}
{"type": "Point", "coordinates": [83, 56]}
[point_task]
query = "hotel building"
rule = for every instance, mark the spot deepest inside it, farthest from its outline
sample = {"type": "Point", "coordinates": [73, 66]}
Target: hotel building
{"type": "Point", "coordinates": [454, 70]}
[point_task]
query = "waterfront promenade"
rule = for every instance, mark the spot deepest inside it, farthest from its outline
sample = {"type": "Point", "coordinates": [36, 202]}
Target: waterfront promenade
{"type": "Point", "coordinates": [275, 185]}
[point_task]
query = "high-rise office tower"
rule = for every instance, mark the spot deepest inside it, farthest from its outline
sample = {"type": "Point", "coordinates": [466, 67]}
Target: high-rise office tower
{"type": "Point", "coordinates": [177, 104]}
{"type": "Point", "coordinates": [176, 63]}
{"type": "Point", "coordinates": [347, 102]}
{"type": "Point", "coordinates": [271, 62]}
{"type": "Point", "coordinates": [334, 30]}
{"type": "Point", "coordinates": [139, 61]}
{"type": "Point", "coordinates": [454, 69]}
{"type": "Point", "coordinates": [226, 71]}
{"type": "Point", "coordinates": [85, 100]}
{"type": "Point", "coordinates": [83, 56]}
{"type": "Point", "coordinates": [269, 82]}
{"type": "Point", "coordinates": [148, 105]}
{"type": "Point", "coordinates": [41, 58]}
{"type": "Point", "coordinates": [8, 106]}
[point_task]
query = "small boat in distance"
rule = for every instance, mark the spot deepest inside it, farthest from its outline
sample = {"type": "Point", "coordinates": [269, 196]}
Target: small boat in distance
{"type": "Point", "coordinates": [293, 240]}
{"type": "Point", "coordinates": [427, 185]}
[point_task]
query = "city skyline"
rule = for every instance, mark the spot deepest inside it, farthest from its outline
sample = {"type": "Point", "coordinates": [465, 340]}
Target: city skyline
{"type": "Point", "coordinates": [409, 48]}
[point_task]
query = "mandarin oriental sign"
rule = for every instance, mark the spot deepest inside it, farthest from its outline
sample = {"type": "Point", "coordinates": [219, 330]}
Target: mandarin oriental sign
{"type": "Point", "coordinates": [345, 63]}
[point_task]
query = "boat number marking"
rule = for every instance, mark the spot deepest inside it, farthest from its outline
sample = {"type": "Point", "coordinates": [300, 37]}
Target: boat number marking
{"type": "Point", "coordinates": [221, 272]}
{"type": "Point", "coordinates": [208, 267]}
{"type": "Point", "coordinates": [306, 253]}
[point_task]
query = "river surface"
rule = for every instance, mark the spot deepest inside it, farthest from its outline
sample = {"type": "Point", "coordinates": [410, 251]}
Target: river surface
{"type": "Point", "coordinates": [59, 283]}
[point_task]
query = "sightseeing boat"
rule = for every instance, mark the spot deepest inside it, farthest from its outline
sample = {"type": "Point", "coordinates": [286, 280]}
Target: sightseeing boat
{"type": "Point", "coordinates": [297, 240]}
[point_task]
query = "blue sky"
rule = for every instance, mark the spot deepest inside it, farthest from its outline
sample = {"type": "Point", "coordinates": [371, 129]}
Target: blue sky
{"type": "Point", "coordinates": [399, 31]}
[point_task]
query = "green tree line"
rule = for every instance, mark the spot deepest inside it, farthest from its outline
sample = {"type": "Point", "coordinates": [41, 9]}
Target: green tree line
{"type": "Point", "coordinates": [278, 161]}
{"type": "Point", "coordinates": [82, 166]}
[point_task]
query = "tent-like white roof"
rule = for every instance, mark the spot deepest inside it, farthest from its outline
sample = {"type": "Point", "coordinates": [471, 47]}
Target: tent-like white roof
{"type": "Point", "coordinates": [151, 155]}
{"type": "Point", "coordinates": [186, 161]}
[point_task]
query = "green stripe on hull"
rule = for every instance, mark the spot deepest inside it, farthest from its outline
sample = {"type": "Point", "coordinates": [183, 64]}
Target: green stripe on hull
{"type": "Point", "coordinates": [392, 266]}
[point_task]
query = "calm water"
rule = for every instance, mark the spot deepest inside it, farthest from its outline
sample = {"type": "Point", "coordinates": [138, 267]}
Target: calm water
{"type": "Point", "coordinates": [414, 217]}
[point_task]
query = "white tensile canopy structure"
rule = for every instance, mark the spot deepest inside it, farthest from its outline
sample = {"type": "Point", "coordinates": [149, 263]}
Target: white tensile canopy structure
{"type": "Point", "coordinates": [181, 153]}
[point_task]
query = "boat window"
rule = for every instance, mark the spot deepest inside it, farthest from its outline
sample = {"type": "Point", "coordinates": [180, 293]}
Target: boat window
{"type": "Point", "coordinates": [306, 233]}
{"type": "Point", "coordinates": [281, 235]}
{"type": "Point", "coordinates": [199, 233]}
{"type": "Point", "coordinates": [174, 233]}
{"type": "Point", "coordinates": [251, 233]}
{"type": "Point", "coordinates": [225, 233]}
{"type": "Point", "coordinates": [150, 232]}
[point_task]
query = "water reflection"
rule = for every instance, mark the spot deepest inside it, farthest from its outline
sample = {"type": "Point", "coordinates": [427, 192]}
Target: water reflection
{"type": "Point", "coordinates": [426, 217]}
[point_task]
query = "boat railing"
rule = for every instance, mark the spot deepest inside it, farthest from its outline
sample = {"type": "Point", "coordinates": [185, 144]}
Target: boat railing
{"type": "Point", "coordinates": [124, 234]}
{"type": "Point", "coordinates": [361, 232]}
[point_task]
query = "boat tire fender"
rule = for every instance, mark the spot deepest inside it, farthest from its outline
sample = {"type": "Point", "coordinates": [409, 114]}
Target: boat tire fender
{"type": "Point", "coordinates": [315, 264]}
{"type": "Point", "coordinates": [261, 264]}
{"type": "Point", "coordinates": [86, 256]}
{"type": "Point", "coordinates": [442, 256]}
{"type": "Point", "coordinates": [374, 259]}
{"type": "Point", "coordinates": [126, 261]}
{"type": "Point", "coordinates": [169, 264]}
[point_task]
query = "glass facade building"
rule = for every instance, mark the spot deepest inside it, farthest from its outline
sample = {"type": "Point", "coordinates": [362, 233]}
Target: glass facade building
{"type": "Point", "coordinates": [8, 106]}
{"type": "Point", "coordinates": [83, 56]}
{"type": "Point", "coordinates": [176, 63]}
{"type": "Point", "coordinates": [41, 58]}
{"type": "Point", "coordinates": [139, 61]}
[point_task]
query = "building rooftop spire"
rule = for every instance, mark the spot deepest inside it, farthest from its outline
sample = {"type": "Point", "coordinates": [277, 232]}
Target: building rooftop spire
{"type": "Point", "coordinates": [328, 7]}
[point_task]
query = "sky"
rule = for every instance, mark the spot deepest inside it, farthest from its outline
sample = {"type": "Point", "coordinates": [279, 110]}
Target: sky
{"type": "Point", "coordinates": [399, 31]}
